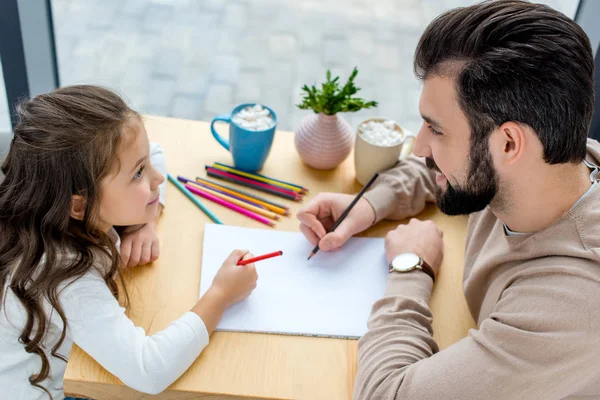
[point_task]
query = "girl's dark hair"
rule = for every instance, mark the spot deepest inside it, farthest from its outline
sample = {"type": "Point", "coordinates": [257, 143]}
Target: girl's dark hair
{"type": "Point", "coordinates": [515, 61]}
{"type": "Point", "coordinates": [64, 144]}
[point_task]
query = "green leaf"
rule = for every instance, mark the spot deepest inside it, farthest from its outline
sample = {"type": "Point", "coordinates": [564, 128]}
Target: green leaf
{"type": "Point", "coordinates": [331, 98]}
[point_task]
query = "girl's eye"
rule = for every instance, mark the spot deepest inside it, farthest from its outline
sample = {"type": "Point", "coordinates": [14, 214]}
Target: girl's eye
{"type": "Point", "coordinates": [139, 173]}
{"type": "Point", "coordinates": [436, 133]}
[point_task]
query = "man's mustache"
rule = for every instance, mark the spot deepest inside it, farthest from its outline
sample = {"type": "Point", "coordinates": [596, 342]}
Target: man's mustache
{"type": "Point", "coordinates": [432, 165]}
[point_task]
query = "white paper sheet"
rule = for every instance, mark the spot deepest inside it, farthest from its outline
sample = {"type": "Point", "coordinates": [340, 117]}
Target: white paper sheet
{"type": "Point", "coordinates": [330, 295]}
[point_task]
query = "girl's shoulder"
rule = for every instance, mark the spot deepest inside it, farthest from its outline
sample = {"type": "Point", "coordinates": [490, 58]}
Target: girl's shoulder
{"type": "Point", "coordinates": [92, 276]}
{"type": "Point", "coordinates": [91, 280]}
{"type": "Point", "coordinates": [90, 284]}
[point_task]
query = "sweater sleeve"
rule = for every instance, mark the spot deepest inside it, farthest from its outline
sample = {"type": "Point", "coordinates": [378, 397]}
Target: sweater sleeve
{"type": "Point", "coordinates": [149, 364]}
{"type": "Point", "coordinates": [157, 157]}
{"type": "Point", "coordinates": [403, 190]}
{"type": "Point", "coordinates": [540, 341]}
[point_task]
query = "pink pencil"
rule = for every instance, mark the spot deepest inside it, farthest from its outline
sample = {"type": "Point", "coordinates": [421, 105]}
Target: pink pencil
{"type": "Point", "coordinates": [227, 204]}
{"type": "Point", "coordinates": [256, 183]}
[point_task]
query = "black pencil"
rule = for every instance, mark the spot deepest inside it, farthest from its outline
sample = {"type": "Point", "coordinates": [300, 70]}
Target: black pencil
{"type": "Point", "coordinates": [346, 211]}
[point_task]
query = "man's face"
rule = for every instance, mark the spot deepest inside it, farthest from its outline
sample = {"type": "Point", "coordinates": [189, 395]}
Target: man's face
{"type": "Point", "coordinates": [465, 175]}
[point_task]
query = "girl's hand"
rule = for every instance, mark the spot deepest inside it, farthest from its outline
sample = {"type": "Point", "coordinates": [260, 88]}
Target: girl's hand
{"type": "Point", "coordinates": [233, 282]}
{"type": "Point", "coordinates": [140, 246]}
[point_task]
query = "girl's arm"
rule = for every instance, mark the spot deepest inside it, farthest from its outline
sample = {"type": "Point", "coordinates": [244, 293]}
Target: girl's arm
{"type": "Point", "coordinates": [149, 364]}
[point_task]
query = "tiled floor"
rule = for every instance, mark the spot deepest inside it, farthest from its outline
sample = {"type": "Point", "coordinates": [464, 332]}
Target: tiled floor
{"type": "Point", "coordinates": [195, 59]}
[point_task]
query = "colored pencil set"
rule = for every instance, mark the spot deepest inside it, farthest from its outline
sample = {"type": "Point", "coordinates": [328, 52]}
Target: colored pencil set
{"type": "Point", "coordinates": [256, 181]}
{"type": "Point", "coordinates": [250, 205]}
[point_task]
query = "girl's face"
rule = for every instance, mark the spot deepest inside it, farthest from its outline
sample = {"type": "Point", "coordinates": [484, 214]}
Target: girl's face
{"type": "Point", "coordinates": [129, 194]}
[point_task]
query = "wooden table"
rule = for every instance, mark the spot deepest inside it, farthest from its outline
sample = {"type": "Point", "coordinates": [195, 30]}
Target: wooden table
{"type": "Point", "coordinates": [246, 365]}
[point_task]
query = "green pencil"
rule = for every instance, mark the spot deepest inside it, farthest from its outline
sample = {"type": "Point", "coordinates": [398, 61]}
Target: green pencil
{"type": "Point", "coordinates": [193, 199]}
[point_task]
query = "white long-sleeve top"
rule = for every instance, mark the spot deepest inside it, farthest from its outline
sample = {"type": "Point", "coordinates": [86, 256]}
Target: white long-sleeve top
{"type": "Point", "coordinates": [98, 324]}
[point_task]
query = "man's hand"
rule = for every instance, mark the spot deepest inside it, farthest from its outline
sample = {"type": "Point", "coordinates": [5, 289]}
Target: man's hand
{"type": "Point", "coordinates": [139, 246]}
{"type": "Point", "coordinates": [318, 216]}
{"type": "Point", "coordinates": [420, 237]}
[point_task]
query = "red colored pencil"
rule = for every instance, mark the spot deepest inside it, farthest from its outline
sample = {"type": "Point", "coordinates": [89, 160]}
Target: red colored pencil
{"type": "Point", "coordinates": [258, 258]}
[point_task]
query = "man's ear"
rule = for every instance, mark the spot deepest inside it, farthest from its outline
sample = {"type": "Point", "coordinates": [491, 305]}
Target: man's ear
{"type": "Point", "coordinates": [77, 207]}
{"type": "Point", "coordinates": [509, 143]}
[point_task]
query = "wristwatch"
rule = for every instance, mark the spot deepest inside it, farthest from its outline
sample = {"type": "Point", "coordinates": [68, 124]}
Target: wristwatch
{"type": "Point", "coordinates": [406, 262]}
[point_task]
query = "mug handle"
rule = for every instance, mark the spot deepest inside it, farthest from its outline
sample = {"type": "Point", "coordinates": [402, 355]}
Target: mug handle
{"type": "Point", "coordinates": [407, 149]}
{"type": "Point", "coordinates": [224, 118]}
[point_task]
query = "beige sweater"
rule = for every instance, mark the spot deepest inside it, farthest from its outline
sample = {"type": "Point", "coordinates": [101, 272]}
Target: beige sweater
{"type": "Point", "coordinates": [535, 298]}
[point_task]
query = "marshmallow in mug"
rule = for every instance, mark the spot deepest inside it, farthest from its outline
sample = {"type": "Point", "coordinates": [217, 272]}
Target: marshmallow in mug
{"type": "Point", "coordinates": [254, 118]}
{"type": "Point", "coordinates": [380, 133]}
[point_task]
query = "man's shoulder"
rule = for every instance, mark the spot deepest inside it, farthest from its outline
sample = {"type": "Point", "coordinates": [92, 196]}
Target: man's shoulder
{"type": "Point", "coordinates": [565, 293]}
{"type": "Point", "coordinates": [587, 222]}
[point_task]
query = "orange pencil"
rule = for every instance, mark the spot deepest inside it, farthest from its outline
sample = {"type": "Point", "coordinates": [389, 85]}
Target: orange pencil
{"type": "Point", "coordinates": [231, 206]}
{"type": "Point", "coordinates": [240, 203]}
{"type": "Point", "coordinates": [258, 258]}
{"type": "Point", "coordinates": [263, 187]}
{"type": "Point", "coordinates": [237, 190]}
{"type": "Point", "coordinates": [271, 207]}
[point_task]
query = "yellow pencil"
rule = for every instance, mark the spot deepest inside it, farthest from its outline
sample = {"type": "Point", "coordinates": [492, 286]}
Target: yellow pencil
{"type": "Point", "coordinates": [242, 204]}
{"type": "Point", "coordinates": [259, 178]}
{"type": "Point", "coordinates": [236, 191]}
{"type": "Point", "coordinates": [271, 207]}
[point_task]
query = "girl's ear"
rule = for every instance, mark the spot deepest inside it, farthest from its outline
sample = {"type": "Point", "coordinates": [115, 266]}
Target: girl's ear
{"type": "Point", "coordinates": [77, 207]}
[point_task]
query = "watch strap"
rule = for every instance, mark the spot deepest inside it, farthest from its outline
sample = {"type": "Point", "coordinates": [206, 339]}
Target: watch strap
{"type": "Point", "coordinates": [427, 269]}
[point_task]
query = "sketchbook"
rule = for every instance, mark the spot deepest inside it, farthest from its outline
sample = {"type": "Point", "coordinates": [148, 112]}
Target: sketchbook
{"type": "Point", "coordinates": [331, 295]}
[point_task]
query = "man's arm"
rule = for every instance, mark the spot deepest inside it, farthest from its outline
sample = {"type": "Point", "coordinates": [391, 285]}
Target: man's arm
{"type": "Point", "coordinates": [540, 341]}
{"type": "Point", "coordinates": [398, 193]}
{"type": "Point", "coordinates": [403, 190]}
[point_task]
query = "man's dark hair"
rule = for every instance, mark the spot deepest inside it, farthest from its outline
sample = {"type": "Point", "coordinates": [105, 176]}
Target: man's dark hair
{"type": "Point", "coordinates": [515, 61]}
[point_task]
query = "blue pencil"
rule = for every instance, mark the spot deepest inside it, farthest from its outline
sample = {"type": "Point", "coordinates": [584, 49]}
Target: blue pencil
{"type": "Point", "coordinates": [193, 199]}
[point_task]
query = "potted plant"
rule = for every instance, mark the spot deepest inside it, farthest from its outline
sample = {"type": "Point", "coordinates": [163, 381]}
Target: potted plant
{"type": "Point", "coordinates": [324, 139]}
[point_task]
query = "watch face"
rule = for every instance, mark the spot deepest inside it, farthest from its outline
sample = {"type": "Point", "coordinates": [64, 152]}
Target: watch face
{"type": "Point", "coordinates": [405, 262]}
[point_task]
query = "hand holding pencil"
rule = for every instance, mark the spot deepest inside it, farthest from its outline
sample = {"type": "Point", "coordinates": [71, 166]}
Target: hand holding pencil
{"type": "Point", "coordinates": [247, 261]}
{"type": "Point", "coordinates": [233, 283]}
{"type": "Point", "coordinates": [235, 280]}
{"type": "Point", "coordinates": [318, 219]}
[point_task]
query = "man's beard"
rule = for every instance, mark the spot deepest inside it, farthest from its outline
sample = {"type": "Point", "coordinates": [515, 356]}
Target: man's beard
{"type": "Point", "coordinates": [479, 191]}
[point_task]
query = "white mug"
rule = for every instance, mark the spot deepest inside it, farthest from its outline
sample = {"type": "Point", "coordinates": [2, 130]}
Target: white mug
{"type": "Point", "coordinates": [370, 158]}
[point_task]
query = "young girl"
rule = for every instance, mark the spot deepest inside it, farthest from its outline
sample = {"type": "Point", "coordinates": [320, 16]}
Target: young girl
{"type": "Point", "coordinates": [78, 166]}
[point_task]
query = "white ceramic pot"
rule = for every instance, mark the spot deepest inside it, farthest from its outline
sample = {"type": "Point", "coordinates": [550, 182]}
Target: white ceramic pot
{"type": "Point", "coordinates": [324, 141]}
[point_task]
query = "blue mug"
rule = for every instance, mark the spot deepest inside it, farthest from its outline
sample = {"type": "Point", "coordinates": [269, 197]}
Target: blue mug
{"type": "Point", "coordinates": [248, 148]}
